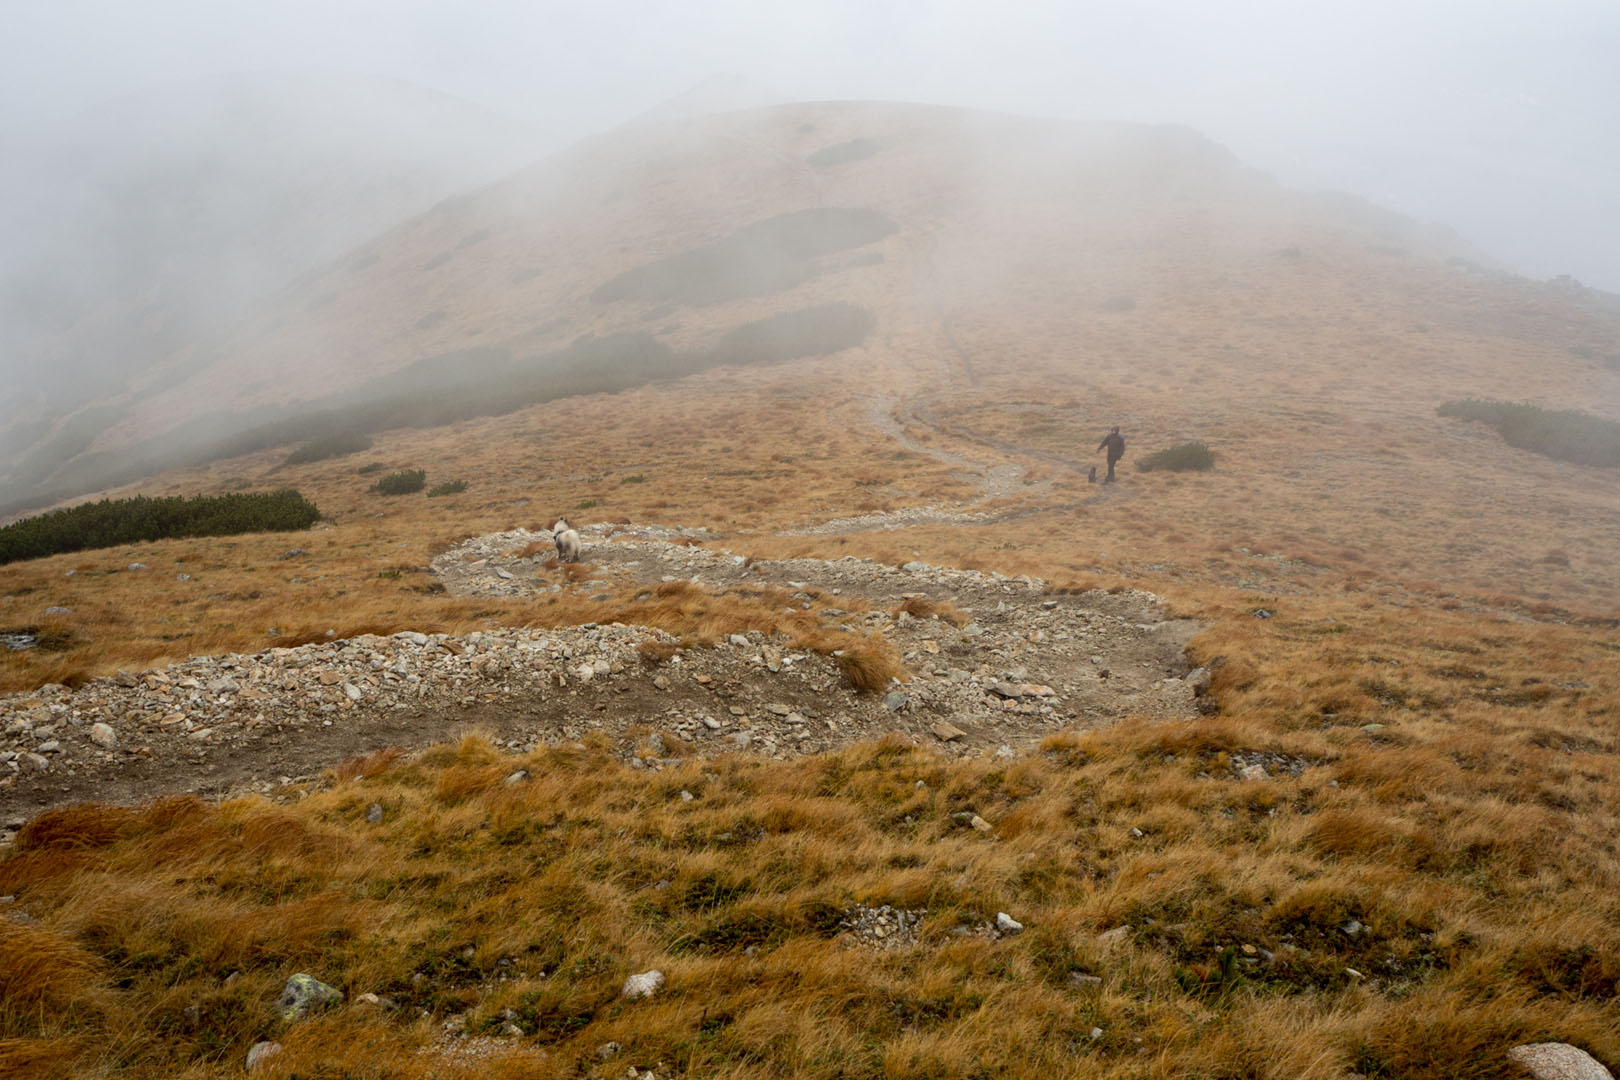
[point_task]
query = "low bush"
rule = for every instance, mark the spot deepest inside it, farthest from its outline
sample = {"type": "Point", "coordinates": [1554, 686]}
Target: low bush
{"type": "Point", "coordinates": [1183, 457]}
{"type": "Point", "coordinates": [401, 483]}
{"type": "Point", "coordinates": [371, 467]}
{"type": "Point", "coordinates": [334, 445]}
{"type": "Point", "coordinates": [1564, 434]}
{"type": "Point", "coordinates": [124, 521]}
{"type": "Point", "coordinates": [449, 487]}
{"type": "Point", "coordinates": [814, 331]}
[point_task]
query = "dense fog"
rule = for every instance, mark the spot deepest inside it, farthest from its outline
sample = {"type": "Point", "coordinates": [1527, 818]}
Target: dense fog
{"type": "Point", "coordinates": [167, 165]}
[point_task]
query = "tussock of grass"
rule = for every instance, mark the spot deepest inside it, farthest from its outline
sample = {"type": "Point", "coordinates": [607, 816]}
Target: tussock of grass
{"type": "Point", "coordinates": [869, 666]}
{"type": "Point", "coordinates": [1559, 433]}
{"type": "Point", "coordinates": [921, 607]}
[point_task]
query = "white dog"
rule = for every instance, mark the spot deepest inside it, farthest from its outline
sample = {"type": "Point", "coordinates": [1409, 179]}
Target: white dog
{"type": "Point", "coordinates": [567, 541]}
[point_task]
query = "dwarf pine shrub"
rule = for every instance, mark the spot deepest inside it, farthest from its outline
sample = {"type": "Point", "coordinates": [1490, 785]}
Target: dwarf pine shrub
{"type": "Point", "coordinates": [401, 483]}
{"type": "Point", "coordinates": [449, 487]}
{"type": "Point", "coordinates": [124, 521]}
{"type": "Point", "coordinates": [1564, 434]}
{"type": "Point", "coordinates": [1183, 457]}
{"type": "Point", "coordinates": [334, 445]}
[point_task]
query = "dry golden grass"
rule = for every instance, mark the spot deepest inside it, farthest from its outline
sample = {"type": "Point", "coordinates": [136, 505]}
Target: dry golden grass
{"type": "Point", "coordinates": [530, 904]}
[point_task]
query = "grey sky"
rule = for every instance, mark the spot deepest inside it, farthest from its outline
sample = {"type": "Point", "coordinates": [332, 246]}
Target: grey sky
{"type": "Point", "coordinates": [1499, 118]}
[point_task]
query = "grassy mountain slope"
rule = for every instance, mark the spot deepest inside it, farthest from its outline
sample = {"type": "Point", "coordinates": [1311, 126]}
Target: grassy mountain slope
{"type": "Point", "coordinates": [1412, 623]}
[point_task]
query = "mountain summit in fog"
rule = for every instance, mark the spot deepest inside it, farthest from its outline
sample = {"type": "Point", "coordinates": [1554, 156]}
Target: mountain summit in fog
{"type": "Point", "coordinates": [659, 250]}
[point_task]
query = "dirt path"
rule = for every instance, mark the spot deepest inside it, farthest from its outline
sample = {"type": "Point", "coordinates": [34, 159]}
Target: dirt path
{"type": "Point", "coordinates": [891, 416]}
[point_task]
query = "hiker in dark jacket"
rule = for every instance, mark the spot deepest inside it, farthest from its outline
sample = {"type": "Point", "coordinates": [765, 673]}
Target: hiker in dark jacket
{"type": "Point", "coordinates": [1114, 443]}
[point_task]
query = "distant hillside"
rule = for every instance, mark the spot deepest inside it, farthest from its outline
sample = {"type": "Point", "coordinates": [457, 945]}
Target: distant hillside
{"type": "Point", "coordinates": [672, 239]}
{"type": "Point", "coordinates": [154, 221]}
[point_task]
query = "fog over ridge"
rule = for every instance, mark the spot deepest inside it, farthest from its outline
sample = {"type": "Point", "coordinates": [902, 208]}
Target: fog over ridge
{"type": "Point", "coordinates": [1495, 121]}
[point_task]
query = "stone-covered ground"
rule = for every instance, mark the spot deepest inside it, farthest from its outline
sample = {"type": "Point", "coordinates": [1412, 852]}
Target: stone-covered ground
{"type": "Point", "coordinates": [1024, 664]}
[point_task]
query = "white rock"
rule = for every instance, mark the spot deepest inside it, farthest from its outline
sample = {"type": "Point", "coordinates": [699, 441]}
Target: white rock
{"type": "Point", "coordinates": [103, 735]}
{"type": "Point", "coordinates": [353, 691]}
{"type": "Point", "coordinates": [646, 984]}
{"type": "Point", "coordinates": [260, 1053]}
{"type": "Point", "coordinates": [1007, 924]}
{"type": "Point", "coordinates": [1117, 936]}
{"type": "Point", "coordinates": [1559, 1061]}
{"type": "Point", "coordinates": [1253, 772]}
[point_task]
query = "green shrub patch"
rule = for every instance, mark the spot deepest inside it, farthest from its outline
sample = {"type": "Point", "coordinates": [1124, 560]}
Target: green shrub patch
{"type": "Point", "coordinates": [1559, 433]}
{"type": "Point", "coordinates": [816, 331]}
{"type": "Point", "coordinates": [401, 483]}
{"type": "Point", "coordinates": [1183, 457]}
{"type": "Point", "coordinates": [337, 444]}
{"type": "Point", "coordinates": [124, 521]}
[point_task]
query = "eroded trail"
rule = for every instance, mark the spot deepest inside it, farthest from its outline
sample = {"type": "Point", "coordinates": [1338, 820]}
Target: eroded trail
{"type": "Point", "coordinates": [997, 480]}
{"type": "Point", "coordinates": [1021, 665]}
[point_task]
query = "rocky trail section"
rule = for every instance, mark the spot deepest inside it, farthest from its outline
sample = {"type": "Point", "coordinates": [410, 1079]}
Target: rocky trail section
{"type": "Point", "coordinates": [1025, 665]}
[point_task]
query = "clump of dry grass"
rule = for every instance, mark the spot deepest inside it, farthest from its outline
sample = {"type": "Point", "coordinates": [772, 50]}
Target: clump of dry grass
{"type": "Point", "coordinates": [365, 766]}
{"type": "Point", "coordinates": [870, 666]}
{"type": "Point", "coordinates": [922, 607]}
